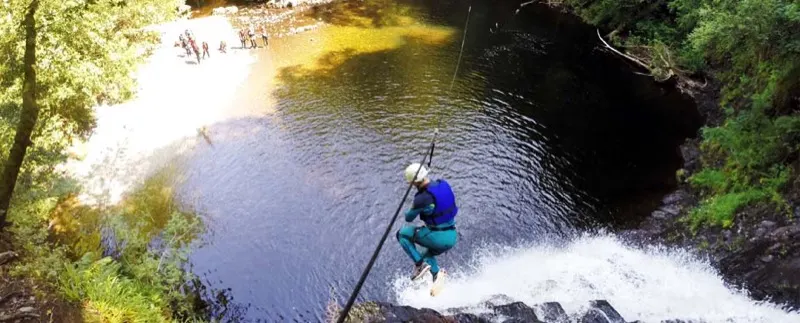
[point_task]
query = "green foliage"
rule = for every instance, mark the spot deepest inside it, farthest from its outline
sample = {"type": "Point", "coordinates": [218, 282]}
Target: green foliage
{"type": "Point", "coordinates": [87, 52]}
{"type": "Point", "coordinates": [709, 178]}
{"type": "Point", "coordinates": [144, 285]}
{"type": "Point", "coordinates": [160, 268]}
{"type": "Point", "coordinates": [756, 41]}
{"type": "Point", "coordinates": [143, 281]}
{"type": "Point", "coordinates": [753, 141]}
{"type": "Point", "coordinates": [108, 295]}
{"type": "Point", "coordinates": [753, 148]}
{"type": "Point", "coordinates": [720, 209]}
{"type": "Point", "coordinates": [752, 46]}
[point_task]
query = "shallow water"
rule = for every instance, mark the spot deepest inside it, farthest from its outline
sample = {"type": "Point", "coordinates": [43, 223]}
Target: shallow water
{"type": "Point", "coordinates": [543, 136]}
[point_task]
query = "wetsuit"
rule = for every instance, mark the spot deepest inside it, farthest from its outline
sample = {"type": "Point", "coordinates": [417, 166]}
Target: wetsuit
{"type": "Point", "coordinates": [438, 234]}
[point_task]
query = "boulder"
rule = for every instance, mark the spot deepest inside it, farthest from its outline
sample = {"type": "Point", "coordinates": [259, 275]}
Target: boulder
{"type": "Point", "coordinates": [517, 311]}
{"type": "Point", "coordinates": [221, 11]}
{"type": "Point", "coordinates": [601, 312]}
{"type": "Point", "coordinates": [551, 312]}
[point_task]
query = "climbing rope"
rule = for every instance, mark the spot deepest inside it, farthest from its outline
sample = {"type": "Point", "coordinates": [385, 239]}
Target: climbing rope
{"type": "Point", "coordinates": [429, 157]}
{"type": "Point", "coordinates": [371, 262]}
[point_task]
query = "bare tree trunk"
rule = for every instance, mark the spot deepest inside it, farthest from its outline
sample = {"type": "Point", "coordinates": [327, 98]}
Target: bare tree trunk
{"type": "Point", "coordinates": [629, 57]}
{"type": "Point", "coordinates": [28, 116]}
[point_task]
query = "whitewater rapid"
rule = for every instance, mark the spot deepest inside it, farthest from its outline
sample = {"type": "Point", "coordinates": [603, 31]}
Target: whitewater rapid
{"type": "Point", "coordinates": [650, 285]}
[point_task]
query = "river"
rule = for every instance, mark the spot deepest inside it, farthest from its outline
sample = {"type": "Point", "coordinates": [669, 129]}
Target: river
{"type": "Point", "coordinates": [544, 137]}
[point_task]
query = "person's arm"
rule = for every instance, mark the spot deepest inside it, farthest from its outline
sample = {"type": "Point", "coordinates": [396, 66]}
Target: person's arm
{"type": "Point", "coordinates": [423, 204]}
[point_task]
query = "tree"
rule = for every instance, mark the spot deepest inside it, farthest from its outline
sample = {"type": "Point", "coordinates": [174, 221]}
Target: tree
{"type": "Point", "coordinates": [86, 53]}
{"type": "Point", "coordinates": [28, 117]}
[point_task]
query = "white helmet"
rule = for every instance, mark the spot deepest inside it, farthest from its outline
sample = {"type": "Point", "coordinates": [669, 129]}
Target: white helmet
{"type": "Point", "coordinates": [412, 169]}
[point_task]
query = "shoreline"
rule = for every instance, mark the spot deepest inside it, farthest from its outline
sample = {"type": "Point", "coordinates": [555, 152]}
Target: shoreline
{"type": "Point", "coordinates": [759, 252]}
{"type": "Point", "coordinates": [178, 99]}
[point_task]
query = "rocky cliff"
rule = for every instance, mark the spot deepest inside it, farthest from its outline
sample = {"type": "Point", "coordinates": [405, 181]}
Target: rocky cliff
{"type": "Point", "coordinates": [598, 311]}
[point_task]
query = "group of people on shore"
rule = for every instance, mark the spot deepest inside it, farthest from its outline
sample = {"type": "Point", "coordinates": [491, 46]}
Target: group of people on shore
{"type": "Point", "coordinates": [188, 42]}
{"type": "Point", "coordinates": [249, 34]}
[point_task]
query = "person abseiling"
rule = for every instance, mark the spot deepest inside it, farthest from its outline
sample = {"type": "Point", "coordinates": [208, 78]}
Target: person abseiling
{"type": "Point", "coordinates": [435, 204]}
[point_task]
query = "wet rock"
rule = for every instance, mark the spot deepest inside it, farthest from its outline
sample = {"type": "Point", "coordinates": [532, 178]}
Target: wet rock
{"type": "Point", "coordinates": [768, 225]}
{"type": "Point", "coordinates": [600, 311]}
{"type": "Point", "coordinates": [518, 311]}
{"type": "Point", "coordinates": [760, 232]}
{"type": "Point", "coordinates": [690, 151]}
{"type": "Point", "coordinates": [727, 235]}
{"type": "Point", "coordinates": [658, 214]}
{"type": "Point", "coordinates": [776, 248]}
{"type": "Point", "coordinates": [26, 309]}
{"type": "Point", "coordinates": [767, 258]}
{"type": "Point", "coordinates": [469, 318]}
{"type": "Point", "coordinates": [394, 313]}
{"type": "Point", "coordinates": [786, 232]}
{"type": "Point", "coordinates": [675, 197]}
{"type": "Point", "coordinates": [671, 209]}
{"type": "Point", "coordinates": [499, 299]}
{"type": "Point", "coordinates": [551, 312]}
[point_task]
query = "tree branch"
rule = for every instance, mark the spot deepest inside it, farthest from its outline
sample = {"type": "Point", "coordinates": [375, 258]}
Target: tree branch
{"type": "Point", "coordinates": [629, 57]}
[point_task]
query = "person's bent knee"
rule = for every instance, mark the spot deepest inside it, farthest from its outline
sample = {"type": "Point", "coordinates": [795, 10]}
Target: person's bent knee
{"type": "Point", "coordinates": [406, 233]}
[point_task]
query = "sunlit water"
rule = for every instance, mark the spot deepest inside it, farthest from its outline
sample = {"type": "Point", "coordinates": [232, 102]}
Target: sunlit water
{"type": "Point", "coordinates": [543, 137]}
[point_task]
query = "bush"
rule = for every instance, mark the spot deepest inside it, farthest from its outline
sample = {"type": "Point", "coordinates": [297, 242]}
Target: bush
{"type": "Point", "coordinates": [143, 279]}
{"type": "Point", "coordinates": [752, 148]}
{"type": "Point", "coordinates": [752, 47]}
{"type": "Point", "coordinates": [107, 294]}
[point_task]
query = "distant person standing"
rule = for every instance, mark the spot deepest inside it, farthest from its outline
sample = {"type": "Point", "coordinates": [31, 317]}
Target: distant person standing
{"type": "Point", "coordinates": [252, 33]}
{"type": "Point", "coordinates": [242, 38]}
{"type": "Point", "coordinates": [195, 49]}
{"type": "Point", "coordinates": [264, 35]}
{"type": "Point", "coordinates": [205, 50]}
{"type": "Point", "coordinates": [185, 45]}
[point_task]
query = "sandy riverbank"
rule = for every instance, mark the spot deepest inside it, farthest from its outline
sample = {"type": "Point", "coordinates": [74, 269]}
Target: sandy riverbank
{"type": "Point", "coordinates": [176, 97]}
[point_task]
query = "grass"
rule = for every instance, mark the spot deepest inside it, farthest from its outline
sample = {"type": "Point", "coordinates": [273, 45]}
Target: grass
{"type": "Point", "coordinates": [146, 239]}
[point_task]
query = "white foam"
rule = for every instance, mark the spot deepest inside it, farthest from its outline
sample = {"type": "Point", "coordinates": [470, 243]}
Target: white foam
{"type": "Point", "coordinates": [647, 285]}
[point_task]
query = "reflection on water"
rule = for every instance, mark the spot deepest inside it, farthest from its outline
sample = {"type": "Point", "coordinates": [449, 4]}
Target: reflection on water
{"type": "Point", "coordinates": [542, 137]}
